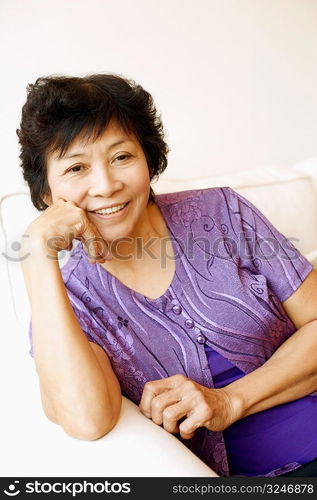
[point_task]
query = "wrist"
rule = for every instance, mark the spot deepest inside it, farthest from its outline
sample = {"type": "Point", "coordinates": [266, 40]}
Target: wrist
{"type": "Point", "coordinates": [236, 401]}
{"type": "Point", "coordinates": [34, 248]}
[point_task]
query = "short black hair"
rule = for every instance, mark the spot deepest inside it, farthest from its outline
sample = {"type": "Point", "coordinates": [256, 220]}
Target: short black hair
{"type": "Point", "coordinates": [59, 108]}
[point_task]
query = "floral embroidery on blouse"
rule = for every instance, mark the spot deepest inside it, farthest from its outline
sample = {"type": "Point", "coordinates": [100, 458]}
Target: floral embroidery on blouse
{"type": "Point", "coordinates": [188, 211]}
{"type": "Point", "coordinates": [276, 330]}
{"type": "Point", "coordinates": [220, 457]}
{"type": "Point", "coordinates": [118, 344]}
{"type": "Point", "coordinates": [119, 347]}
{"type": "Point", "coordinates": [122, 321]}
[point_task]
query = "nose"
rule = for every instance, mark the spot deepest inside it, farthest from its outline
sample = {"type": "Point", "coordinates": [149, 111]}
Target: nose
{"type": "Point", "coordinates": [104, 183]}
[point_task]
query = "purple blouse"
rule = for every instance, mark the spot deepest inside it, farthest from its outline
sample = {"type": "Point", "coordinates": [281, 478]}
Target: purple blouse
{"type": "Point", "coordinates": [220, 318]}
{"type": "Point", "coordinates": [260, 442]}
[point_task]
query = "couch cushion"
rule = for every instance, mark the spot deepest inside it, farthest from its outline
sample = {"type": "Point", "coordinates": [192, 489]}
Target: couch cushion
{"type": "Point", "coordinates": [287, 197]}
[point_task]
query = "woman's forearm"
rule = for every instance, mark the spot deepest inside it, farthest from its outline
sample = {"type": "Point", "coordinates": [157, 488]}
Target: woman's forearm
{"type": "Point", "coordinates": [68, 369]}
{"type": "Point", "coordinates": [290, 373]}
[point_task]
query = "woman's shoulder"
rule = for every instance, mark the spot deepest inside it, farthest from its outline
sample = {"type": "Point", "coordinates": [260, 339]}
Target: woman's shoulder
{"type": "Point", "coordinates": [183, 208]}
{"type": "Point", "coordinates": [192, 195]}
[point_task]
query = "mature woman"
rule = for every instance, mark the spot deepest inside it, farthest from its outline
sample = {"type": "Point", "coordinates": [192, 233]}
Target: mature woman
{"type": "Point", "coordinates": [190, 303]}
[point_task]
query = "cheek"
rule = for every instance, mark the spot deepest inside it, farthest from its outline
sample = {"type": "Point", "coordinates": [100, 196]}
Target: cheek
{"type": "Point", "coordinates": [68, 192]}
{"type": "Point", "coordinates": [141, 181]}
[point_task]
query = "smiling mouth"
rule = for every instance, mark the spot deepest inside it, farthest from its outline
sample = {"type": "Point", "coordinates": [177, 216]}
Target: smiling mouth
{"type": "Point", "coordinates": [112, 210]}
{"type": "Point", "coordinates": [109, 213]}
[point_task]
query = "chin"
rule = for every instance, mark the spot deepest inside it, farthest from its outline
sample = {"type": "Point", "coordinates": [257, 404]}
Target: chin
{"type": "Point", "coordinates": [114, 234]}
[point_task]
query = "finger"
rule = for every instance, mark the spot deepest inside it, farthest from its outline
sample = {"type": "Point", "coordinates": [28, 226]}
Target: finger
{"type": "Point", "coordinates": [92, 259]}
{"type": "Point", "coordinates": [103, 246]}
{"type": "Point", "coordinates": [95, 246]}
{"type": "Point", "coordinates": [164, 401]}
{"type": "Point", "coordinates": [156, 387]}
{"type": "Point", "coordinates": [188, 427]}
{"type": "Point", "coordinates": [172, 414]}
{"type": "Point", "coordinates": [62, 240]}
{"type": "Point", "coordinates": [84, 230]}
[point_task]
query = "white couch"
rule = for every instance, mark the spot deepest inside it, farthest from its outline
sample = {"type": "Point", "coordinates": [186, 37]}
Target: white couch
{"type": "Point", "coordinates": [33, 445]}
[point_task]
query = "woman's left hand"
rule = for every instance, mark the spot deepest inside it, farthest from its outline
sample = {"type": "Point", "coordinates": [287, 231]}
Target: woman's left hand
{"type": "Point", "coordinates": [168, 400]}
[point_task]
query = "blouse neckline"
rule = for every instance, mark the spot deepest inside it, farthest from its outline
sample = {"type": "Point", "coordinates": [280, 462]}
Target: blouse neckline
{"type": "Point", "coordinates": [175, 256]}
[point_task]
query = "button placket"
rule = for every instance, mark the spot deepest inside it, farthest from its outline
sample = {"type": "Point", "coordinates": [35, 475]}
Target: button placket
{"type": "Point", "coordinates": [177, 309]}
{"type": "Point", "coordinates": [189, 323]}
{"type": "Point", "coordinates": [200, 338]}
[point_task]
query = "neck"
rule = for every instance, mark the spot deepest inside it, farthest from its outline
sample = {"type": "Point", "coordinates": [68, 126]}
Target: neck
{"type": "Point", "coordinates": [143, 244]}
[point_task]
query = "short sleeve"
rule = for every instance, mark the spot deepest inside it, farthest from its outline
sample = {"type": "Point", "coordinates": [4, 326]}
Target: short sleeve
{"type": "Point", "coordinates": [262, 249]}
{"type": "Point", "coordinates": [91, 328]}
{"type": "Point", "coordinates": [30, 340]}
{"type": "Point", "coordinates": [92, 333]}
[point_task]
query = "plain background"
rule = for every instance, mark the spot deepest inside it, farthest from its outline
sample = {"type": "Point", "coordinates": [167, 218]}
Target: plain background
{"type": "Point", "coordinates": [234, 80]}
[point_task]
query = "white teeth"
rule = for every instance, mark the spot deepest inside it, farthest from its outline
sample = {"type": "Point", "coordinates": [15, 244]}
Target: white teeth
{"type": "Point", "coordinates": [106, 211]}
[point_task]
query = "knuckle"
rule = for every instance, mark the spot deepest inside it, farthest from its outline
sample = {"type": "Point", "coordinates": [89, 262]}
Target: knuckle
{"type": "Point", "coordinates": [194, 426]}
{"type": "Point", "coordinates": [184, 427]}
{"type": "Point", "coordinates": [78, 210]}
{"type": "Point", "coordinates": [171, 428]}
{"type": "Point", "coordinates": [79, 216]}
{"type": "Point", "coordinates": [81, 220]}
{"type": "Point", "coordinates": [189, 385]}
{"type": "Point", "coordinates": [200, 398]}
{"type": "Point", "coordinates": [185, 431]}
{"type": "Point", "coordinates": [79, 226]}
{"type": "Point", "coordinates": [149, 387]}
{"type": "Point", "coordinates": [157, 404]}
{"type": "Point", "coordinates": [206, 410]}
{"type": "Point", "coordinates": [169, 413]}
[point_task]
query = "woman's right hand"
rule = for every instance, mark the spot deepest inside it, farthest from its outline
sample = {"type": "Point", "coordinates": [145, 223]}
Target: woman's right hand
{"type": "Point", "coordinates": [59, 225]}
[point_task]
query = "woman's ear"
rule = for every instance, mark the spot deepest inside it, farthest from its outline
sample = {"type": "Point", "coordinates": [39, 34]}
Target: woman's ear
{"type": "Point", "coordinates": [47, 198]}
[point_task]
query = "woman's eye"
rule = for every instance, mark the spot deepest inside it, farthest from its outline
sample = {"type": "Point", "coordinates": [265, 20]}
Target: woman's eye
{"type": "Point", "coordinates": [121, 158]}
{"type": "Point", "coordinates": [72, 169]}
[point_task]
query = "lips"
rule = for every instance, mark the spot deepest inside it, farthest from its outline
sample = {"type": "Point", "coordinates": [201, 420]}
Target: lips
{"type": "Point", "coordinates": [109, 206]}
{"type": "Point", "coordinates": [113, 215]}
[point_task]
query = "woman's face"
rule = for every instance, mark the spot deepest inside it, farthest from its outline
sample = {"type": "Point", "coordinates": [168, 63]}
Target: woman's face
{"type": "Point", "coordinates": [110, 171]}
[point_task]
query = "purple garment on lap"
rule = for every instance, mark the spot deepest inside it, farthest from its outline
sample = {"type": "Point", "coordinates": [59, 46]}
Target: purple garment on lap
{"type": "Point", "coordinates": [260, 442]}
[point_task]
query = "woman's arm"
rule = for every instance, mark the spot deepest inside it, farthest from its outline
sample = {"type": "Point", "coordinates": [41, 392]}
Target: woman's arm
{"type": "Point", "coordinates": [291, 372]}
{"type": "Point", "coordinates": [81, 390]}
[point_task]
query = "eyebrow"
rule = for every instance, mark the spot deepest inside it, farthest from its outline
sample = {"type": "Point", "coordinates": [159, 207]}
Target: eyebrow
{"type": "Point", "coordinates": [113, 145]}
